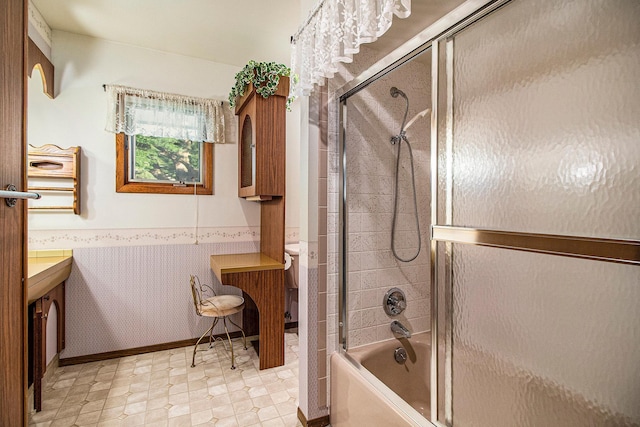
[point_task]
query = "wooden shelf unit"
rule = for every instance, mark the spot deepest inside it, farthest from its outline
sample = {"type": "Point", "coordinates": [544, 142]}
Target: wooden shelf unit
{"type": "Point", "coordinates": [261, 178]}
{"type": "Point", "coordinates": [53, 164]}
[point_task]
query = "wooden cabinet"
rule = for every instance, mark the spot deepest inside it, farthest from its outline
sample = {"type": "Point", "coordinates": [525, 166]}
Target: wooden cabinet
{"type": "Point", "coordinates": [45, 286]}
{"type": "Point", "coordinates": [261, 143]}
{"type": "Point", "coordinates": [37, 343]}
{"type": "Point", "coordinates": [261, 177]}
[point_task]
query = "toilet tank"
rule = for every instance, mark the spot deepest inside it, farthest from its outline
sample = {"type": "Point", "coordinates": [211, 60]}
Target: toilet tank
{"type": "Point", "coordinates": [291, 273]}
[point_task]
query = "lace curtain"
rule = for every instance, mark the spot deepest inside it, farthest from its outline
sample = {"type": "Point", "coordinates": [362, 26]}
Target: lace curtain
{"type": "Point", "coordinates": [334, 32]}
{"type": "Point", "coordinates": [145, 112]}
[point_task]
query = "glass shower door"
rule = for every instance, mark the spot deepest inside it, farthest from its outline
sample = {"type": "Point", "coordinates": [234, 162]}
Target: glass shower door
{"type": "Point", "coordinates": [538, 200]}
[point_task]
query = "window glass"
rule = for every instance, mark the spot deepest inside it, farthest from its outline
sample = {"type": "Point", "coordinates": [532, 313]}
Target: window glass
{"type": "Point", "coordinates": [164, 160]}
{"type": "Point", "coordinates": [163, 165]}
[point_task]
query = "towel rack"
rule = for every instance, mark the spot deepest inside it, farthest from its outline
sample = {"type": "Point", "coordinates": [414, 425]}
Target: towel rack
{"type": "Point", "coordinates": [54, 164]}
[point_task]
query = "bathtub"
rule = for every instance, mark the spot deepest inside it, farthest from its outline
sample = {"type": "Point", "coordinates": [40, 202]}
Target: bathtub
{"type": "Point", "coordinates": [368, 387]}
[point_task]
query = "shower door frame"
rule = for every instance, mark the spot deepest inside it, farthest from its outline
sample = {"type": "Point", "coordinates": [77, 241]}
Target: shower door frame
{"type": "Point", "coordinates": [444, 233]}
{"type": "Point", "coordinates": [461, 16]}
{"type": "Point", "coordinates": [438, 37]}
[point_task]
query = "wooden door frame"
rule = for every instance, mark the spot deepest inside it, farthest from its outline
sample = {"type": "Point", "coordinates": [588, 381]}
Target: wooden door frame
{"type": "Point", "coordinates": [13, 248]}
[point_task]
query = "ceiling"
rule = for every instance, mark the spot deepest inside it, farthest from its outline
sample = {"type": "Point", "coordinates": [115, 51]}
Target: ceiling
{"type": "Point", "coordinates": [225, 31]}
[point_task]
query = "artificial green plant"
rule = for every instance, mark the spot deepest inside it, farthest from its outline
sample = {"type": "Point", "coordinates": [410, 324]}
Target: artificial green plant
{"type": "Point", "coordinates": [265, 77]}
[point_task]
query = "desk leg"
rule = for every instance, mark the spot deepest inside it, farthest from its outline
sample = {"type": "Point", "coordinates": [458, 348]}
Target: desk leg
{"type": "Point", "coordinates": [271, 309]}
{"type": "Point", "coordinates": [250, 316]}
{"type": "Point", "coordinates": [266, 288]}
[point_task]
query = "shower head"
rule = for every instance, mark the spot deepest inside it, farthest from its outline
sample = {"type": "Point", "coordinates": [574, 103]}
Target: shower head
{"type": "Point", "coordinates": [395, 92]}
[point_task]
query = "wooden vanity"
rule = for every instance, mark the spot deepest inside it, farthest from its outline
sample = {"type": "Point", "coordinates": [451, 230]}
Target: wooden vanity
{"type": "Point", "coordinates": [48, 272]}
{"type": "Point", "coordinates": [262, 278]}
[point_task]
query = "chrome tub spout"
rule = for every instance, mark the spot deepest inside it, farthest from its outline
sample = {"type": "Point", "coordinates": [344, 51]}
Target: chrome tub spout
{"type": "Point", "coordinates": [398, 329]}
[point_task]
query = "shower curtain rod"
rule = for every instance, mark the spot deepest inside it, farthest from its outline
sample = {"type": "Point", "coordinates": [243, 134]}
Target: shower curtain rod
{"type": "Point", "coordinates": [306, 22]}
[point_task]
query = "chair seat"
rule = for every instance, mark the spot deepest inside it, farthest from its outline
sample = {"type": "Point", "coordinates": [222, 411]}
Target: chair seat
{"type": "Point", "coordinates": [221, 305]}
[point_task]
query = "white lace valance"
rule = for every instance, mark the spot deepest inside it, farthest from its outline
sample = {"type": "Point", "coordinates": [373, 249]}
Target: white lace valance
{"type": "Point", "coordinates": [145, 112]}
{"type": "Point", "coordinates": [334, 32]}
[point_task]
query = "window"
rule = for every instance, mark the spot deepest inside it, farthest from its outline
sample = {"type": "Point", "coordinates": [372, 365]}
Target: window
{"type": "Point", "coordinates": [163, 141]}
{"type": "Point", "coordinates": [163, 165]}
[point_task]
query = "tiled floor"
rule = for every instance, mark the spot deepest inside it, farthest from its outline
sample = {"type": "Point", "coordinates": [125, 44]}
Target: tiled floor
{"type": "Point", "coordinates": [161, 389]}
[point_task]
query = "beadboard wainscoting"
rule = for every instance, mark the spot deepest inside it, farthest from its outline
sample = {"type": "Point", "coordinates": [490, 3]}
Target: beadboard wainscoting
{"type": "Point", "coordinates": [126, 297]}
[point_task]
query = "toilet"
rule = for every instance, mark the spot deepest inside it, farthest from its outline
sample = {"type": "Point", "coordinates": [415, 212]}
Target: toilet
{"type": "Point", "coordinates": [291, 257]}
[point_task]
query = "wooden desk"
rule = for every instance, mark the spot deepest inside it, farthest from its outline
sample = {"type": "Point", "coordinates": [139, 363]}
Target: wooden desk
{"type": "Point", "coordinates": [262, 278]}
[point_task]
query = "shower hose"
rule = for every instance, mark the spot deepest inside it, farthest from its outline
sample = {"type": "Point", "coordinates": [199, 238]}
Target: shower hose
{"type": "Point", "coordinates": [398, 139]}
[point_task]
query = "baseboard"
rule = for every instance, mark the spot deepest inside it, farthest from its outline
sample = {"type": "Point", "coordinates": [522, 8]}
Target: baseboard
{"type": "Point", "coordinates": [316, 422]}
{"type": "Point", "coordinates": [291, 325]}
{"type": "Point", "coordinates": [138, 350]}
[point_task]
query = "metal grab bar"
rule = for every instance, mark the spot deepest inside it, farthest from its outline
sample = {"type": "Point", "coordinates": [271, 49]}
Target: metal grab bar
{"type": "Point", "coordinates": [11, 195]}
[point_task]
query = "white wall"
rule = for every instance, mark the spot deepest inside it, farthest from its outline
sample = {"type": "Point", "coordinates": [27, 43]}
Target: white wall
{"type": "Point", "coordinates": [76, 117]}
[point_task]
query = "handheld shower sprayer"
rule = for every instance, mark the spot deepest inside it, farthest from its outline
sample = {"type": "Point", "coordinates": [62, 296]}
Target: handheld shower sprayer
{"type": "Point", "coordinates": [399, 139]}
{"type": "Point", "coordinates": [395, 92]}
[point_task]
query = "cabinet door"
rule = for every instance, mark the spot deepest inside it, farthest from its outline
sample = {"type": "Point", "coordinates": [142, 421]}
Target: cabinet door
{"type": "Point", "coordinates": [247, 154]}
{"type": "Point", "coordinates": [247, 167]}
{"type": "Point", "coordinates": [261, 147]}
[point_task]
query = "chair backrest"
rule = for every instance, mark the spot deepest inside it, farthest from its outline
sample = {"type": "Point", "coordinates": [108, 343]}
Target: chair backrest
{"type": "Point", "coordinates": [195, 292]}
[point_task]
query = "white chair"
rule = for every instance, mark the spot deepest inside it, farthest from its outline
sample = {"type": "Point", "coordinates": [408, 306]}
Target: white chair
{"type": "Point", "coordinates": [216, 306]}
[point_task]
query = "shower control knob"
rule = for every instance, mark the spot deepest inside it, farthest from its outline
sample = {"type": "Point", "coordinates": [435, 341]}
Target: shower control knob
{"type": "Point", "coordinates": [394, 302]}
{"type": "Point", "coordinates": [399, 304]}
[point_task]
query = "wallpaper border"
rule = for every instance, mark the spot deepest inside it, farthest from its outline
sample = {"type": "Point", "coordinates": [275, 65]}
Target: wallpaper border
{"type": "Point", "coordinates": [70, 239]}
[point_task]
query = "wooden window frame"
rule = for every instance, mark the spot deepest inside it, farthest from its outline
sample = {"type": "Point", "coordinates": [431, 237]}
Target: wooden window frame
{"type": "Point", "coordinates": [124, 186]}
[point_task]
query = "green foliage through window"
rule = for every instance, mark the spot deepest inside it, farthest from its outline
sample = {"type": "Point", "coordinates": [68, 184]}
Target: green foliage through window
{"type": "Point", "coordinates": [156, 159]}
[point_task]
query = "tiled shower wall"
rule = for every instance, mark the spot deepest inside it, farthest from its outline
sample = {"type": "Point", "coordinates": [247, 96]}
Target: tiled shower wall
{"type": "Point", "coordinates": [373, 116]}
{"type": "Point", "coordinates": [133, 296]}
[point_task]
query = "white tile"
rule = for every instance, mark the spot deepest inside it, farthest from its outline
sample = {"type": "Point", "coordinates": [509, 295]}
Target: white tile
{"type": "Point", "coordinates": [227, 422]}
{"type": "Point", "coordinates": [159, 389]}
{"type": "Point", "coordinates": [222, 411]}
{"type": "Point", "coordinates": [112, 413]}
{"type": "Point", "coordinates": [157, 415]}
{"type": "Point", "coordinates": [201, 417]}
{"type": "Point", "coordinates": [268, 413]}
{"type": "Point", "coordinates": [248, 418]}
{"type": "Point", "coordinates": [135, 408]}
{"type": "Point", "coordinates": [179, 410]}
